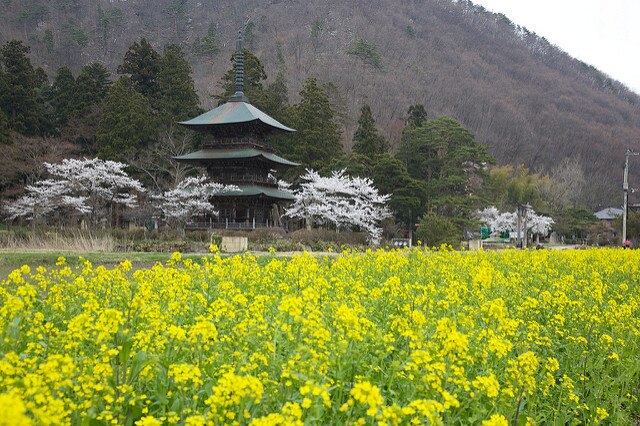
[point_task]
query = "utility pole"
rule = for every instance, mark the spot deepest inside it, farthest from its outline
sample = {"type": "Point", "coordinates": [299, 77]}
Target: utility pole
{"type": "Point", "coordinates": [625, 189]}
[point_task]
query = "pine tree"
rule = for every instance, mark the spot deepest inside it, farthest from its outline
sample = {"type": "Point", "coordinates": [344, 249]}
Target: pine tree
{"type": "Point", "coordinates": [408, 195]}
{"type": "Point", "coordinates": [127, 125]}
{"type": "Point", "coordinates": [178, 98]}
{"type": "Point", "coordinates": [142, 64]}
{"type": "Point", "coordinates": [366, 140]}
{"type": "Point", "coordinates": [447, 158]}
{"type": "Point", "coordinates": [254, 76]}
{"type": "Point", "coordinates": [5, 137]}
{"type": "Point", "coordinates": [416, 115]}
{"type": "Point", "coordinates": [92, 85]}
{"type": "Point", "coordinates": [317, 140]}
{"type": "Point", "coordinates": [19, 101]}
{"type": "Point", "coordinates": [63, 96]}
{"type": "Point", "coordinates": [276, 99]}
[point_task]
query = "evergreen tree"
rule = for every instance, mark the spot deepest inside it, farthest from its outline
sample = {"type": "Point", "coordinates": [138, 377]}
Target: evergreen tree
{"type": "Point", "coordinates": [127, 125]}
{"type": "Point", "coordinates": [417, 115]}
{"type": "Point", "coordinates": [366, 140]}
{"type": "Point", "coordinates": [207, 45]}
{"type": "Point", "coordinates": [435, 230]}
{"type": "Point", "coordinates": [92, 86]}
{"type": "Point", "coordinates": [48, 123]}
{"type": "Point", "coordinates": [142, 64]}
{"type": "Point", "coordinates": [178, 98]}
{"type": "Point", "coordinates": [254, 76]}
{"type": "Point", "coordinates": [41, 78]}
{"type": "Point", "coordinates": [5, 137]}
{"type": "Point", "coordinates": [63, 96]}
{"type": "Point", "coordinates": [408, 195]}
{"type": "Point", "coordinates": [276, 99]}
{"type": "Point", "coordinates": [19, 100]}
{"type": "Point", "coordinates": [445, 156]}
{"type": "Point", "coordinates": [317, 139]}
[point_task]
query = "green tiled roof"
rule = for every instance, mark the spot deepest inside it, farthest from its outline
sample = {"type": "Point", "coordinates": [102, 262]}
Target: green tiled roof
{"type": "Point", "coordinates": [234, 113]}
{"type": "Point", "coordinates": [236, 154]}
{"type": "Point", "coordinates": [253, 190]}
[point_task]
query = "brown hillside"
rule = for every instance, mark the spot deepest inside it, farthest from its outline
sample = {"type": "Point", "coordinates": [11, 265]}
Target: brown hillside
{"type": "Point", "coordinates": [524, 98]}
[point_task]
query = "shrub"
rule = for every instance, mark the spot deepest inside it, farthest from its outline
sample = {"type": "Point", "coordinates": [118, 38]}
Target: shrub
{"type": "Point", "coordinates": [436, 230]}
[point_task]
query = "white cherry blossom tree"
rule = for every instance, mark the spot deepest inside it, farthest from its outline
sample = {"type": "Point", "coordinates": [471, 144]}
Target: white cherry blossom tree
{"type": "Point", "coordinates": [190, 197]}
{"type": "Point", "coordinates": [498, 221]}
{"type": "Point", "coordinates": [88, 187]}
{"type": "Point", "coordinates": [40, 199]}
{"type": "Point", "coordinates": [100, 183]}
{"type": "Point", "coordinates": [340, 201]}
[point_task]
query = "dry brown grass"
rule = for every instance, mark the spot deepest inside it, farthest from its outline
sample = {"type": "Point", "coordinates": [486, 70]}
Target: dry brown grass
{"type": "Point", "coordinates": [75, 241]}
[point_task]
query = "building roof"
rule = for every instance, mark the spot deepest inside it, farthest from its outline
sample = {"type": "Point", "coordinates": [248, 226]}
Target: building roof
{"type": "Point", "coordinates": [254, 190]}
{"type": "Point", "coordinates": [610, 213]}
{"type": "Point", "coordinates": [233, 113]}
{"type": "Point", "coordinates": [208, 154]}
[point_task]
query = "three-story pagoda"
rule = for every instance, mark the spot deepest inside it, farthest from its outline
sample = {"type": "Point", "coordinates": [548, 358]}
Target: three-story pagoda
{"type": "Point", "coordinates": [235, 152]}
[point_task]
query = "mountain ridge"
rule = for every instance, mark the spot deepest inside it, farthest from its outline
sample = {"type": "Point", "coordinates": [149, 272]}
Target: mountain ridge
{"type": "Point", "coordinates": [527, 100]}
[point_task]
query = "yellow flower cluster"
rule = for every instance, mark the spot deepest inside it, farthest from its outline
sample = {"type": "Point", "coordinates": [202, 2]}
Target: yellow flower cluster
{"type": "Point", "coordinates": [377, 337]}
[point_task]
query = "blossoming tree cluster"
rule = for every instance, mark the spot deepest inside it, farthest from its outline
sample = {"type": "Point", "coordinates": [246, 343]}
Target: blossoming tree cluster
{"type": "Point", "coordinates": [189, 198]}
{"type": "Point", "coordinates": [340, 201]}
{"type": "Point", "coordinates": [92, 187]}
{"type": "Point", "coordinates": [499, 221]}
{"type": "Point", "coordinates": [87, 187]}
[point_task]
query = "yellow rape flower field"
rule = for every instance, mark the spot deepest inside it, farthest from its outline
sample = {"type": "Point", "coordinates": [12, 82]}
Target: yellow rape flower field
{"type": "Point", "coordinates": [379, 338]}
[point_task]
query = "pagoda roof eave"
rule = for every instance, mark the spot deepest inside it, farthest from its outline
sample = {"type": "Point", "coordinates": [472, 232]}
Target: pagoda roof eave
{"type": "Point", "coordinates": [213, 154]}
{"type": "Point", "coordinates": [257, 190]}
{"type": "Point", "coordinates": [233, 112]}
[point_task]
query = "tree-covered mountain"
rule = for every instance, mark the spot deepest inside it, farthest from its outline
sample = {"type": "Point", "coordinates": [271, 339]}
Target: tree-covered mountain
{"type": "Point", "coordinates": [526, 100]}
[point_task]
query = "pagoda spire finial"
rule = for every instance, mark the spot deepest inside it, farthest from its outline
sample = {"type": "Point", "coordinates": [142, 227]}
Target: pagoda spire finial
{"type": "Point", "coordinates": [239, 95]}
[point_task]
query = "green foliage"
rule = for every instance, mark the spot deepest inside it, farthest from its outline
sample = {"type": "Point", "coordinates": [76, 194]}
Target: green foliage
{"type": "Point", "coordinates": [408, 195]}
{"type": "Point", "coordinates": [633, 226]}
{"type": "Point", "coordinates": [574, 223]}
{"type": "Point", "coordinates": [354, 165]}
{"type": "Point", "coordinates": [276, 97]}
{"type": "Point", "coordinates": [19, 100]}
{"type": "Point", "coordinates": [5, 137]}
{"type": "Point", "coordinates": [109, 20]}
{"type": "Point", "coordinates": [47, 39]}
{"type": "Point", "coordinates": [79, 37]}
{"type": "Point", "coordinates": [254, 76]}
{"type": "Point", "coordinates": [508, 187]}
{"type": "Point", "coordinates": [436, 230]}
{"type": "Point", "coordinates": [366, 140]}
{"type": "Point", "coordinates": [127, 125]}
{"type": "Point", "coordinates": [367, 52]}
{"type": "Point", "coordinates": [64, 96]}
{"type": "Point", "coordinates": [445, 156]}
{"type": "Point", "coordinates": [416, 115]}
{"type": "Point", "coordinates": [250, 34]}
{"type": "Point", "coordinates": [142, 64]}
{"type": "Point", "coordinates": [317, 139]}
{"type": "Point", "coordinates": [316, 32]}
{"type": "Point", "coordinates": [410, 31]}
{"type": "Point", "coordinates": [178, 98]}
{"type": "Point", "coordinates": [33, 12]}
{"type": "Point", "coordinates": [92, 85]}
{"type": "Point", "coordinates": [208, 45]}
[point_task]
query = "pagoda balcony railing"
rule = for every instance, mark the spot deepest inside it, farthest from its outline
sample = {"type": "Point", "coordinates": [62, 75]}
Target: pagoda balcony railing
{"type": "Point", "coordinates": [228, 224]}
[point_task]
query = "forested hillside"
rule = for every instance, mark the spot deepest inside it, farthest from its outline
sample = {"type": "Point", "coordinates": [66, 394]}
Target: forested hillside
{"type": "Point", "coordinates": [526, 100]}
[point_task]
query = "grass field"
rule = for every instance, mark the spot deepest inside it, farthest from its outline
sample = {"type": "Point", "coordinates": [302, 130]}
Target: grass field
{"type": "Point", "coordinates": [14, 259]}
{"type": "Point", "coordinates": [385, 338]}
